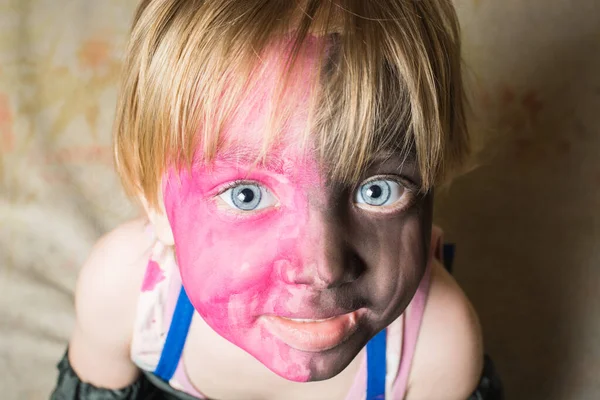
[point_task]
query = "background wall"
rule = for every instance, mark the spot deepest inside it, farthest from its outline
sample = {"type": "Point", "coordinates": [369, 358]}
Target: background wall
{"type": "Point", "coordinates": [526, 219]}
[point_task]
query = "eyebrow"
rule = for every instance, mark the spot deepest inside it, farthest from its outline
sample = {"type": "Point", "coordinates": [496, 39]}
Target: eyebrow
{"type": "Point", "coordinates": [400, 161]}
{"type": "Point", "coordinates": [395, 155]}
{"type": "Point", "coordinates": [246, 155]}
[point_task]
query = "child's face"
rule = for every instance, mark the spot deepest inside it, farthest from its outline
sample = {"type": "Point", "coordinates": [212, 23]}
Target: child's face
{"type": "Point", "coordinates": [296, 269]}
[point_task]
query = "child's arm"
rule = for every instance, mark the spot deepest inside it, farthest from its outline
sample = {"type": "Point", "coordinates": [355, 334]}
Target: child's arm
{"type": "Point", "coordinates": [449, 354]}
{"type": "Point", "coordinates": [105, 303]}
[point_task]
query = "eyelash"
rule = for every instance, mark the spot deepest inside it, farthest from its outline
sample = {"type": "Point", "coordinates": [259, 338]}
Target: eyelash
{"type": "Point", "coordinates": [227, 186]}
{"type": "Point", "coordinates": [407, 183]}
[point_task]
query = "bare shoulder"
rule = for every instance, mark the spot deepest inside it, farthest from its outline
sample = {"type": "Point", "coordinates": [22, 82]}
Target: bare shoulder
{"type": "Point", "coordinates": [106, 302]}
{"type": "Point", "coordinates": [109, 281]}
{"type": "Point", "coordinates": [449, 355]}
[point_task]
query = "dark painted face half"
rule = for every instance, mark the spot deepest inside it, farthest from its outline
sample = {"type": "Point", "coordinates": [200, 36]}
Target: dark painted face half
{"type": "Point", "coordinates": [297, 270]}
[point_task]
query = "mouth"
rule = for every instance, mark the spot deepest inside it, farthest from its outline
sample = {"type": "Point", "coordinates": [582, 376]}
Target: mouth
{"type": "Point", "coordinates": [312, 335]}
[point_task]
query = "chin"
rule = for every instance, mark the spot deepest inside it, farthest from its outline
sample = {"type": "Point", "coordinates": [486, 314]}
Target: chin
{"type": "Point", "coordinates": [326, 372]}
{"type": "Point", "coordinates": [316, 370]}
{"type": "Point", "coordinates": [302, 366]}
{"type": "Point", "coordinates": [329, 364]}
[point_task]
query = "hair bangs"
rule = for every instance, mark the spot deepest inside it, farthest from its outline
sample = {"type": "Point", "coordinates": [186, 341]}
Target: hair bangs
{"type": "Point", "coordinates": [386, 77]}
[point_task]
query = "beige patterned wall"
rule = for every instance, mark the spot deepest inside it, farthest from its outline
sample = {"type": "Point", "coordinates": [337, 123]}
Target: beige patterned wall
{"type": "Point", "coordinates": [526, 220]}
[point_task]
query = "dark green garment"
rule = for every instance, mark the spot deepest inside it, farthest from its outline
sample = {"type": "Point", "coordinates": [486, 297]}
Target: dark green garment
{"type": "Point", "coordinates": [148, 387]}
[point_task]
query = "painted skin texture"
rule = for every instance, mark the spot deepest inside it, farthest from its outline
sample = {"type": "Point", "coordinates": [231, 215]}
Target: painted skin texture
{"type": "Point", "coordinates": [308, 252]}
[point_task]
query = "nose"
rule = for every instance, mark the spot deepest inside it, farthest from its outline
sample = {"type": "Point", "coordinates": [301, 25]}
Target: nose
{"type": "Point", "coordinates": [324, 257]}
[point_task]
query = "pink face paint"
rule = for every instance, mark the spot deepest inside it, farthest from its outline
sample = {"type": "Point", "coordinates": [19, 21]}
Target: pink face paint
{"type": "Point", "coordinates": [154, 276]}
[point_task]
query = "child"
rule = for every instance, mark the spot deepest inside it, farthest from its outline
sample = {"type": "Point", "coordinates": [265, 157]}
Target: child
{"type": "Point", "coordinates": [285, 153]}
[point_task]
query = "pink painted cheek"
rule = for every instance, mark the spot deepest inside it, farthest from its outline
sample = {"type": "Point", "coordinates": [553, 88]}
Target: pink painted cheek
{"type": "Point", "coordinates": [232, 271]}
{"type": "Point", "coordinates": [231, 299]}
{"type": "Point", "coordinates": [217, 266]}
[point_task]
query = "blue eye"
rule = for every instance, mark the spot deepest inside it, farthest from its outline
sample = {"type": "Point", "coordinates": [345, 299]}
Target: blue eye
{"type": "Point", "coordinates": [248, 197]}
{"type": "Point", "coordinates": [379, 192]}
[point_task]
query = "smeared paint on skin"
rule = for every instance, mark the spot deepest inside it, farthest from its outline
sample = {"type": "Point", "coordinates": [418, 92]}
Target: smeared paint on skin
{"type": "Point", "coordinates": [154, 276]}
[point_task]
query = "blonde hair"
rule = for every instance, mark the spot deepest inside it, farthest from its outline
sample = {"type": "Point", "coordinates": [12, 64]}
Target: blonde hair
{"type": "Point", "coordinates": [389, 79]}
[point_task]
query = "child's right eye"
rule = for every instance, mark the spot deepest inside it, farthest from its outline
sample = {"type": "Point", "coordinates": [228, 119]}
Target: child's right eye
{"type": "Point", "coordinates": [248, 197]}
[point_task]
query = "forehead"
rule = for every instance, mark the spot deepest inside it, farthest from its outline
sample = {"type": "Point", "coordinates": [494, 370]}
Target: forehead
{"type": "Point", "coordinates": [275, 105]}
{"type": "Point", "coordinates": [273, 119]}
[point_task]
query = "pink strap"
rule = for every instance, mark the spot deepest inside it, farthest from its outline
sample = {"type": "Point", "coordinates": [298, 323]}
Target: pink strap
{"type": "Point", "coordinates": [183, 379]}
{"type": "Point", "coordinates": [411, 325]}
{"type": "Point", "coordinates": [414, 318]}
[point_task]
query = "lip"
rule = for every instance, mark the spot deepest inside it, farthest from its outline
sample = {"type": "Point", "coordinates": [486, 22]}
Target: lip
{"type": "Point", "coordinates": [312, 335]}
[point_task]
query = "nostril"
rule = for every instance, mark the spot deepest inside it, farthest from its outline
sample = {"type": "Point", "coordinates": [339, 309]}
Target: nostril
{"type": "Point", "coordinates": [345, 270]}
{"type": "Point", "coordinates": [292, 274]}
{"type": "Point", "coordinates": [356, 267]}
{"type": "Point", "coordinates": [352, 268]}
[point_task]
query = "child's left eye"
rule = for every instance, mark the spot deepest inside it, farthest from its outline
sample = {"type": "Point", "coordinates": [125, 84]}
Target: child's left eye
{"type": "Point", "coordinates": [248, 197]}
{"type": "Point", "coordinates": [380, 193]}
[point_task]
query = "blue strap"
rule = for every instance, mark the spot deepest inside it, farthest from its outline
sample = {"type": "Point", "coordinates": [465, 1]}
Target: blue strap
{"type": "Point", "coordinates": [180, 325]}
{"type": "Point", "coordinates": [376, 366]}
